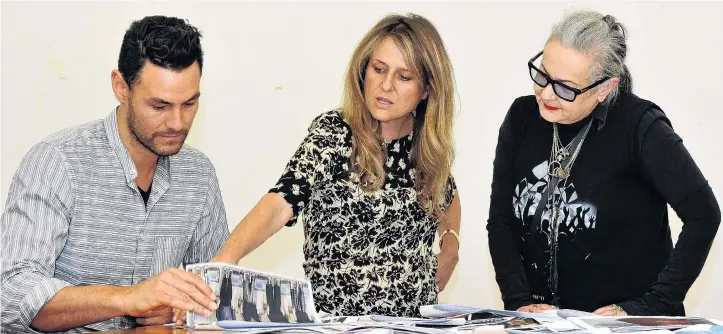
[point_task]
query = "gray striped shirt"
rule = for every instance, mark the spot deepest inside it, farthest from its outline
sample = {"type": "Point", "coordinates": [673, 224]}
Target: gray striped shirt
{"type": "Point", "coordinates": [74, 216]}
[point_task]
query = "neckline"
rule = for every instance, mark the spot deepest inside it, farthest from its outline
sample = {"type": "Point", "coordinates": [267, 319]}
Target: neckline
{"type": "Point", "coordinates": [403, 138]}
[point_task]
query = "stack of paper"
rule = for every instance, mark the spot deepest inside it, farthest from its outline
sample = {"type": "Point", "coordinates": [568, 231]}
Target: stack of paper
{"type": "Point", "coordinates": [629, 324]}
{"type": "Point", "coordinates": [256, 302]}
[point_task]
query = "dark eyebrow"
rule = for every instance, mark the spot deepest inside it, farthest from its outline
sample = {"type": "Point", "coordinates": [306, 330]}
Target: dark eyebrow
{"type": "Point", "coordinates": [194, 97]}
{"type": "Point", "coordinates": [560, 80]}
{"type": "Point", "coordinates": [158, 100]}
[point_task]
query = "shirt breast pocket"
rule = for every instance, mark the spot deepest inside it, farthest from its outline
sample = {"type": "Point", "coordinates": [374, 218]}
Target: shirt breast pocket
{"type": "Point", "coordinates": [168, 253]}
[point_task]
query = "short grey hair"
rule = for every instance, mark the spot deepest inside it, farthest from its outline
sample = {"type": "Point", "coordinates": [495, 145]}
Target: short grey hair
{"type": "Point", "coordinates": [601, 37]}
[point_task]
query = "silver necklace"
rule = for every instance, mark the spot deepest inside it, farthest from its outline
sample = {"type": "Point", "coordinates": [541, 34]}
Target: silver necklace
{"type": "Point", "coordinates": [560, 154]}
{"type": "Point", "coordinates": [558, 157]}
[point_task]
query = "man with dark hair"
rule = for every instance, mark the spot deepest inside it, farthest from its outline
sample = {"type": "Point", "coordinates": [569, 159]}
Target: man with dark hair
{"type": "Point", "coordinates": [99, 217]}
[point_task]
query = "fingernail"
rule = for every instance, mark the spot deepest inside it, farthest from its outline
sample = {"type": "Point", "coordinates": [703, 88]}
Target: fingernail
{"type": "Point", "coordinates": [207, 313]}
{"type": "Point", "coordinates": [213, 296]}
{"type": "Point", "coordinates": [174, 318]}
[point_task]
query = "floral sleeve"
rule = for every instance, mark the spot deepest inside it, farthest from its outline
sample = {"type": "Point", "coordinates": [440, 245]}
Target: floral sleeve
{"type": "Point", "coordinates": [308, 165]}
{"type": "Point", "coordinates": [451, 192]}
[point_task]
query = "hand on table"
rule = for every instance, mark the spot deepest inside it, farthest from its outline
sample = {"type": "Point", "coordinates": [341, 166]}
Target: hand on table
{"type": "Point", "coordinates": [179, 317]}
{"type": "Point", "coordinates": [611, 310]}
{"type": "Point", "coordinates": [159, 316]}
{"type": "Point", "coordinates": [536, 308]}
{"type": "Point", "coordinates": [173, 288]}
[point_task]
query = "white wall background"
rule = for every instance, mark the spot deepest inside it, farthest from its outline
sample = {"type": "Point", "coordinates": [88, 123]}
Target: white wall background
{"type": "Point", "coordinates": [271, 67]}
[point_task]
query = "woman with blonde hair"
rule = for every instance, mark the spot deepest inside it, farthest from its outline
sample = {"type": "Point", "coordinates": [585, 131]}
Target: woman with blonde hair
{"type": "Point", "coordinates": [371, 182]}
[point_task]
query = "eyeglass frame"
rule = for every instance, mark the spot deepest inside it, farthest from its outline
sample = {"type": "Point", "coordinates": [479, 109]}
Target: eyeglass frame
{"type": "Point", "coordinates": [552, 81]}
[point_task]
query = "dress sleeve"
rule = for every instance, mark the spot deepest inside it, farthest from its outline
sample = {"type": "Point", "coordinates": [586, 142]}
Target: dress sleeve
{"type": "Point", "coordinates": [451, 192]}
{"type": "Point", "coordinates": [311, 162]}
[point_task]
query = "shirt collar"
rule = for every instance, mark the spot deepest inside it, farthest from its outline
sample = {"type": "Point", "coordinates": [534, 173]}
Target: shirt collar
{"type": "Point", "coordinates": [129, 167]}
{"type": "Point", "coordinates": [600, 113]}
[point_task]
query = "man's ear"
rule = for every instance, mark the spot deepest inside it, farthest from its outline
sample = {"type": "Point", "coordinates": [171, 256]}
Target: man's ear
{"type": "Point", "coordinates": [121, 90]}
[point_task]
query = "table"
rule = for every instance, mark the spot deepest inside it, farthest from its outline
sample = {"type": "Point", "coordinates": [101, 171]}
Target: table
{"type": "Point", "coordinates": [150, 329]}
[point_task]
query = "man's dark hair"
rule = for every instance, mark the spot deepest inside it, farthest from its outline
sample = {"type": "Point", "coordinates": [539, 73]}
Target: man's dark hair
{"type": "Point", "coordinates": [168, 42]}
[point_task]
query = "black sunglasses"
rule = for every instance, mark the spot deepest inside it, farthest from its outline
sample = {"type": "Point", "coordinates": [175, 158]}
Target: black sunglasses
{"type": "Point", "coordinates": [562, 90]}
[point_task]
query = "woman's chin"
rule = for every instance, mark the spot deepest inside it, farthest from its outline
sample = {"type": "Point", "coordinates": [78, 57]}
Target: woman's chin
{"type": "Point", "coordinates": [550, 116]}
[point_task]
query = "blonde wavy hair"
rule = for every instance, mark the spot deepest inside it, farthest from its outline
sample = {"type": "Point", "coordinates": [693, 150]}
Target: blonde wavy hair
{"type": "Point", "coordinates": [432, 147]}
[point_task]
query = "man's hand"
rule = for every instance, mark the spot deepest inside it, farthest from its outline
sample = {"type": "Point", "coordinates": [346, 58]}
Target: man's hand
{"type": "Point", "coordinates": [160, 316]}
{"type": "Point", "coordinates": [173, 288]}
{"type": "Point", "coordinates": [536, 308]}
{"type": "Point", "coordinates": [179, 317]}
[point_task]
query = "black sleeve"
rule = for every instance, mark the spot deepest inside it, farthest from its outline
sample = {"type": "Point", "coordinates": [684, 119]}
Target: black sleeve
{"type": "Point", "coordinates": [509, 270]}
{"type": "Point", "coordinates": [669, 167]}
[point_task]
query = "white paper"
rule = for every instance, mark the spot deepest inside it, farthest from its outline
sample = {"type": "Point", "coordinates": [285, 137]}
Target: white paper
{"type": "Point", "coordinates": [628, 324]}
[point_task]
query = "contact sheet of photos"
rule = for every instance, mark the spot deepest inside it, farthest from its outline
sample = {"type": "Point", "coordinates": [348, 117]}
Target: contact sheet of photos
{"type": "Point", "coordinates": [248, 295]}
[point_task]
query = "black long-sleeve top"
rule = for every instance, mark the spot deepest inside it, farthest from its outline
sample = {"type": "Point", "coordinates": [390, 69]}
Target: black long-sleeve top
{"type": "Point", "coordinates": [614, 242]}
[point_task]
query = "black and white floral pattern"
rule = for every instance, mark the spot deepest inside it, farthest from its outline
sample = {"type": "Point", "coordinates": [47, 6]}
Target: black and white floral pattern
{"type": "Point", "coordinates": [365, 253]}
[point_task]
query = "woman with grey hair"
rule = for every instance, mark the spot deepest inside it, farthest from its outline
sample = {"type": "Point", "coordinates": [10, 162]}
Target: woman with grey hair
{"type": "Point", "coordinates": [583, 172]}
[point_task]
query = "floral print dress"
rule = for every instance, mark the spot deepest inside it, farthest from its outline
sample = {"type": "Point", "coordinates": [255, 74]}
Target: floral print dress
{"type": "Point", "coordinates": [365, 253]}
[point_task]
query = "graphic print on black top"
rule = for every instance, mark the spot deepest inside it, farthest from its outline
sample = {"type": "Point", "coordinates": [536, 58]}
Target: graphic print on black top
{"type": "Point", "coordinates": [574, 216]}
{"type": "Point", "coordinates": [630, 169]}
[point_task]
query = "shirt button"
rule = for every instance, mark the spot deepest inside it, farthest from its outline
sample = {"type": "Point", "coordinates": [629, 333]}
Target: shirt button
{"type": "Point", "coordinates": [133, 173]}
